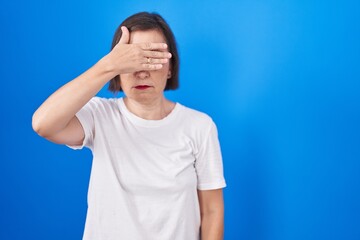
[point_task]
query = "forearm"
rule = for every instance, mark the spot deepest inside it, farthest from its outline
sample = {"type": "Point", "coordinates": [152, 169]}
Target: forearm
{"type": "Point", "coordinates": [212, 226]}
{"type": "Point", "coordinates": [56, 112]}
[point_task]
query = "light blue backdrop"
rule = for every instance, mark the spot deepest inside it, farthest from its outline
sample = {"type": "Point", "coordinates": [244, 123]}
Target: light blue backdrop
{"type": "Point", "coordinates": [280, 78]}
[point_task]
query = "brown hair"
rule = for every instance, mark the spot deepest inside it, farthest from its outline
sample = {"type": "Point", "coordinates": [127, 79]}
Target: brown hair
{"type": "Point", "coordinates": [148, 21]}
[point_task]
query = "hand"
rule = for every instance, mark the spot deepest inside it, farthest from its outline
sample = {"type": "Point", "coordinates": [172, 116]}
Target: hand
{"type": "Point", "coordinates": [127, 58]}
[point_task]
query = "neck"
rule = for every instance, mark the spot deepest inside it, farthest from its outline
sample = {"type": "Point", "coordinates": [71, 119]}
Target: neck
{"type": "Point", "coordinates": [154, 109]}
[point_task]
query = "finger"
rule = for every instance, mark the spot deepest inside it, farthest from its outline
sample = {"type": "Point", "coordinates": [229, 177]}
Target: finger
{"type": "Point", "coordinates": [149, 66]}
{"type": "Point", "coordinates": [157, 54]}
{"type": "Point", "coordinates": [125, 36]}
{"type": "Point", "coordinates": [155, 60]}
{"type": "Point", "coordinates": [153, 46]}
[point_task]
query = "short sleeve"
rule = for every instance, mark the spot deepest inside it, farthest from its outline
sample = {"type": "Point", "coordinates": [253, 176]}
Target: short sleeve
{"type": "Point", "coordinates": [86, 118]}
{"type": "Point", "coordinates": [208, 163]}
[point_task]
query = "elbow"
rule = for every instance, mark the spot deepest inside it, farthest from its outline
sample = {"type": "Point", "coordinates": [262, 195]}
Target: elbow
{"type": "Point", "coordinates": [38, 126]}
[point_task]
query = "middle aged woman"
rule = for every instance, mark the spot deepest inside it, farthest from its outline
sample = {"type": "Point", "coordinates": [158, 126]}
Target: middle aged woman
{"type": "Point", "coordinates": [157, 169]}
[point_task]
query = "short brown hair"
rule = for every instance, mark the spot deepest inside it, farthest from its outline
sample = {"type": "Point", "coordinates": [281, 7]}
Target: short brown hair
{"type": "Point", "coordinates": [148, 21]}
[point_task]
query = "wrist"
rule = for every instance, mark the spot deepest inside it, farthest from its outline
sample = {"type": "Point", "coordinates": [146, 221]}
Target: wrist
{"type": "Point", "coordinates": [107, 67]}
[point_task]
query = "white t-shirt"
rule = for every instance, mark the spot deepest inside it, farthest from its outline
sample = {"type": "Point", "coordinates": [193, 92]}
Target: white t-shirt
{"type": "Point", "coordinates": [145, 173]}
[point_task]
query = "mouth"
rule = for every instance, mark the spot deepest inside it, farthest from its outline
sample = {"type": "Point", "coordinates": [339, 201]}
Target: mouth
{"type": "Point", "coordinates": [142, 87]}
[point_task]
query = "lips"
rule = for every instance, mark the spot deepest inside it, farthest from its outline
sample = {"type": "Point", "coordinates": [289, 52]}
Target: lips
{"type": "Point", "coordinates": [142, 87]}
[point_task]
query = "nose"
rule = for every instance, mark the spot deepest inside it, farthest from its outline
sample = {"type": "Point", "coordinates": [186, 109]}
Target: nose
{"type": "Point", "coordinates": [141, 74]}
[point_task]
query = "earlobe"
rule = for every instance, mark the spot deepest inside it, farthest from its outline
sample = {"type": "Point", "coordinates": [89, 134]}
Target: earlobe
{"type": "Point", "coordinates": [169, 75]}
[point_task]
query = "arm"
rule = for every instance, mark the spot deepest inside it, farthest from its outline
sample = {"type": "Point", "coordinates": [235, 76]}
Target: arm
{"type": "Point", "coordinates": [212, 214]}
{"type": "Point", "coordinates": [55, 119]}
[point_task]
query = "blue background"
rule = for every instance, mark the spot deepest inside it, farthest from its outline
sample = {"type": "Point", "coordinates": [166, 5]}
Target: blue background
{"type": "Point", "coordinates": [280, 78]}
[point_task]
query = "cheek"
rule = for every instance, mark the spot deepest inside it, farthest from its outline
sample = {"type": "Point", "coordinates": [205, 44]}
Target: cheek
{"type": "Point", "coordinates": [160, 75]}
{"type": "Point", "coordinates": [124, 78]}
{"type": "Point", "coordinates": [164, 70]}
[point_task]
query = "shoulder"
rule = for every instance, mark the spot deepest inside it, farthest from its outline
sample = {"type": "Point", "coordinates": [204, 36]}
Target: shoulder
{"type": "Point", "coordinates": [198, 126]}
{"type": "Point", "coordinates": [101, 101]}
{"type": "Point", "coordinates": [197, 118]}
{"type": "Point", "coordinates": [102, 104]}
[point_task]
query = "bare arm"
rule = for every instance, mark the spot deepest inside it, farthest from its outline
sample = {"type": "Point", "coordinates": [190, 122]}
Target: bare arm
{"type": "Point", "coordinates": [58, 111]}
{"type": "Point", "coordinates": [55, 119]}
{"type": "Point", "coordinates": [212, 214]}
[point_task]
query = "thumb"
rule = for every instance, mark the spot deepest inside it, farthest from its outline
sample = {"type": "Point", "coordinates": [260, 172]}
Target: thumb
{"type": "Point", "coordinates": [125, 35]}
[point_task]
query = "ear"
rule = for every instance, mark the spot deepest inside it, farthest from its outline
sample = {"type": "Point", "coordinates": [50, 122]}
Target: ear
{"type": "Point", "coordinates": [169, 74]}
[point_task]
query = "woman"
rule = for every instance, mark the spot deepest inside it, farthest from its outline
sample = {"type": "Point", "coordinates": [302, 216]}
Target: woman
{"type": "Point", "coordinates": [157, 170]}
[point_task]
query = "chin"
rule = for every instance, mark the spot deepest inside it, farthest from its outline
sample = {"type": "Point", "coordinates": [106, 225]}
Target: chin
{"type": "Point", "coordinates": [144, 97]}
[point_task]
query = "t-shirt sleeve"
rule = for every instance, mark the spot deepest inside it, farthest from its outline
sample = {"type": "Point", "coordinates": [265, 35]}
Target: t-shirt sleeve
{"type": "Point", "coordinates": [208, 163]}
{"type": "Point", "coordinates": [86, 118]}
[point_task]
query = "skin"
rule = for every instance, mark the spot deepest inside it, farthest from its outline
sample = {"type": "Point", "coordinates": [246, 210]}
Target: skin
{"type": "Point", "coordinates": [55, 119]}
{"type": "Point", "coordinates": [212, 214]}
{"type": "Point", "coordinates": [147, 103]}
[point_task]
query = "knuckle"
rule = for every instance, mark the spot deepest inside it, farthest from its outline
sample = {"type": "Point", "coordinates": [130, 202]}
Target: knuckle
{"type": "Point", "coordinates": [147, 45]}
{"type": "Point", "coordinates": [148, 66]}
{"type": "Point", "coordinates": [155, 54]}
